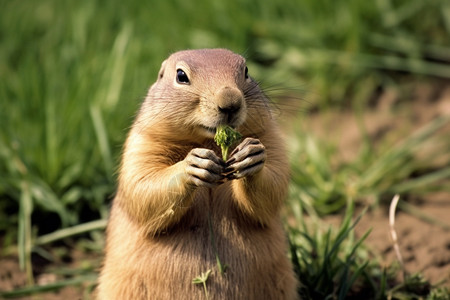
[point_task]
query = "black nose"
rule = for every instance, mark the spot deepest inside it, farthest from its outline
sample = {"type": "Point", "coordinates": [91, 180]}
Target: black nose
{"type": "Point", "coordinates": [230, 109]}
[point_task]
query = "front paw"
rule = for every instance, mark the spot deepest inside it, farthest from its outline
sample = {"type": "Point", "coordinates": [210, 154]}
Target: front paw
{"type": "Point", "coordinates": [204, 168]}
{"type": "Point", "coordinates": [247, 159]}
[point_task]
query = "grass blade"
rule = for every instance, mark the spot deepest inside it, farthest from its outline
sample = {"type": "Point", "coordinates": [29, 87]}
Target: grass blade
{"type": "Point", "coordinates": [36, 289]}
{"type": "Point", "coordinates": [102, 138]}
{"type": "Point", "coordinates": [24, 239]}
{"type": "Point", "coordinates": [71, 231]}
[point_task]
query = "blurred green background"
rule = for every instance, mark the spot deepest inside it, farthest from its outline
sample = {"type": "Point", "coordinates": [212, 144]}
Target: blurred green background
{"type": "Point", "coordinates": [73, 74]}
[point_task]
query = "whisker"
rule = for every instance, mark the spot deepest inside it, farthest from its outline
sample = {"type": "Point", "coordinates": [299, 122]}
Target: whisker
{"type": "Point", "coordinates": [287, 99]}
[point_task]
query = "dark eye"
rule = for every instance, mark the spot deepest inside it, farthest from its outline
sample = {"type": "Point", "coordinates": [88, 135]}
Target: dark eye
{"type": "Point", "coordinates": [182, 77]}
{"type": "Point", "coordinates": [246, 73]}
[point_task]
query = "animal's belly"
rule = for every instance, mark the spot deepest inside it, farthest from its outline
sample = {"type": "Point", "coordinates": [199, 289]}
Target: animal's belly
{"type": "Point", "coordinates": [254, 264]}
{"type": "Point", "coordinates": [163, 267]}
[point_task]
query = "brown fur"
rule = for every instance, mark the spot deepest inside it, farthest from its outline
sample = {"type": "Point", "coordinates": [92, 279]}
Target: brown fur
{"type": "Point", "coordinates": [158, 236]}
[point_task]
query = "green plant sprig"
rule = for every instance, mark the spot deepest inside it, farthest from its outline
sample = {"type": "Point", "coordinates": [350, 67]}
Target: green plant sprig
{"type": "Point", "coordinates": [225, 137]}
{"type": "Point", "coordinates": [201, 279]}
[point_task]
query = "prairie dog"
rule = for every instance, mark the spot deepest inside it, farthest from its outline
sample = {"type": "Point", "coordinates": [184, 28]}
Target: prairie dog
{"type": "Point", "coordinates": [179, 205]}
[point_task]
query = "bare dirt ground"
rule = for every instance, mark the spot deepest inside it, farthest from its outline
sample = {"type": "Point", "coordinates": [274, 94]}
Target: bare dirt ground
{"type": "Point", "coordinates": [45, 272]}
{"type": "Point", "coordinates": [425, 246]}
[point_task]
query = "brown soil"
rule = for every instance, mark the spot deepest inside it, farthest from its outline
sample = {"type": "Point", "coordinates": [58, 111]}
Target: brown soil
{"type": "Point", "coordinates": [45, 272]}
{"type": "Point", "coordinates": [425, 246]}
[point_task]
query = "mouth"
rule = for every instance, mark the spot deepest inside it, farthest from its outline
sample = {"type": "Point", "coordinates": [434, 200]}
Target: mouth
{"type": "Point", "coordinates": [210, 131]}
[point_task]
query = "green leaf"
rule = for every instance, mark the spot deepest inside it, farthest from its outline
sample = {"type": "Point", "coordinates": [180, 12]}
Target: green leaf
{"type": "Point", "coordinates": [225, 137]}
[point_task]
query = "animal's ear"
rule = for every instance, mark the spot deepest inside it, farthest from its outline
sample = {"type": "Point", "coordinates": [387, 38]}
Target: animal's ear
{"type": "Point", "coordinates": [161, 71]}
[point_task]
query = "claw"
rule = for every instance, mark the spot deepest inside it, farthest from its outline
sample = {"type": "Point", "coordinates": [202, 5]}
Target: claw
{"type": "Point", "coordinates": [247, 159]}
{"type": "Point", "coordinates": [204, 168]}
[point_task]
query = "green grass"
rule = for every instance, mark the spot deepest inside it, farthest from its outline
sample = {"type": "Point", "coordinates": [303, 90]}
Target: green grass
{"type": "Point", "coordinates": [72, 75]}
{"type": "Point", "coordinates": [326, 262]}
{"type": "Point", "coordinates": [323, 187]}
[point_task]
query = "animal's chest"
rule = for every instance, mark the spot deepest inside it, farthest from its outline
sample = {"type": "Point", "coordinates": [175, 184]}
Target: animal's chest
{"type": "Point", "coordinates": [211, 211]}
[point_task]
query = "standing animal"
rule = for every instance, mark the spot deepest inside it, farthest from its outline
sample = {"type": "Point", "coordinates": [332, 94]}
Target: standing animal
{"type": "Point", "coordinates": [179, 207]}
